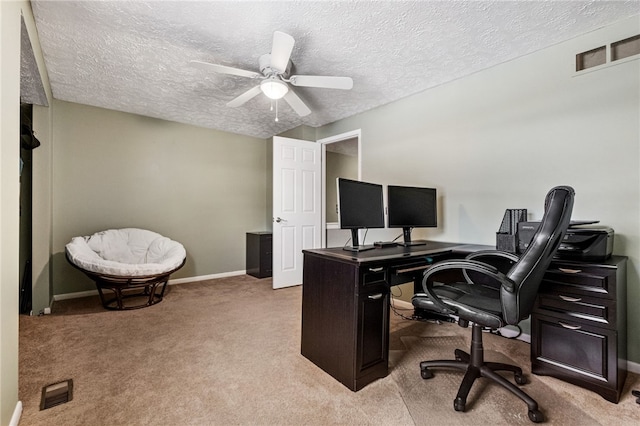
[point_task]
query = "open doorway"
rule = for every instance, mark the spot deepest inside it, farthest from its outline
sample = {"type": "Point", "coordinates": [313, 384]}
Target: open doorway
{"type": "Point", "coordinates": [340, 158]}
{"type": "Point", "coordinates": [27, 143]}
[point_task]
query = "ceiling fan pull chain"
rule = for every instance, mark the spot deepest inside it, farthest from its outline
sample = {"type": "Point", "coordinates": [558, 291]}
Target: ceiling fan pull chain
{"type": "Point", "coordinates": [276, 110]}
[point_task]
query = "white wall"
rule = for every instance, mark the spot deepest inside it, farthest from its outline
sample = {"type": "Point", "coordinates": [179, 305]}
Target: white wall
{"type": "Point", "coordinates": [337, 165]}
{"type": "Point", "coordinates": [10, 28]}
{"type": "Point", "coordinates": [503, 137]}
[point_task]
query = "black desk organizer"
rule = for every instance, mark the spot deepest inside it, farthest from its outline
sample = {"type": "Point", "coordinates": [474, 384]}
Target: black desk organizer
{"type": "Point", "coordinates": [506, 237]}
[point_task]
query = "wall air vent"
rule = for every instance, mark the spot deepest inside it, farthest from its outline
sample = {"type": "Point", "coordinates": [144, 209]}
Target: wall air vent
{"type": "Point", "coordinates": [591, 58]}
{"type": "Point", "coordinates": [625, 48]}
{"type": "Point", "coordinates": [628, 48]}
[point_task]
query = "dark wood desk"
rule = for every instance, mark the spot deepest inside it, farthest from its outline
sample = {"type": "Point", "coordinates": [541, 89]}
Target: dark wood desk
{"type": "Point", "coordinates": [345, 305]}
{"type": "Point", "coordinates": [578, 331]}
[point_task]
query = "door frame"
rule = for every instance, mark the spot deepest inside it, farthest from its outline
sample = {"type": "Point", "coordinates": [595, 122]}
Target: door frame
{"type": "Point", "coordinates": [324, 142]}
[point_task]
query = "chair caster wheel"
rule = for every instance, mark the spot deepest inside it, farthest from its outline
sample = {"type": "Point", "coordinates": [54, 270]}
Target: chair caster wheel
{"type": "Point", "coordinates": [520, 379]}
{"type": "Point", "coordinates": [536, 416]}
{"type": "Point", "coordinates": [426, 373]}
{"type": "Point", "coordinates": [459, 404]}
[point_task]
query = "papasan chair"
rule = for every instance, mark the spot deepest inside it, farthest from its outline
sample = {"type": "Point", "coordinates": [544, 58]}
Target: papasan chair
{"type": "Point", "coordinates": [131, 263]}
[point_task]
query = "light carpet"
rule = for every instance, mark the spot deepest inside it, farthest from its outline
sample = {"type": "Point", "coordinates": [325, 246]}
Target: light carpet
{"type": "Point", "coordinates": [227, 352]}
{"type": "Point", "coordinates": [487, 401]}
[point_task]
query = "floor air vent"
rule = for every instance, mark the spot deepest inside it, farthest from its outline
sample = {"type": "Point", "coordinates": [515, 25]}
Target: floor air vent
{"type": "Point", "coordinates": [56, 394]}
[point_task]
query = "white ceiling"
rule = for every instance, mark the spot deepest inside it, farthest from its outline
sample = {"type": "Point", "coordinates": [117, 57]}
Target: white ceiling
{"type": "Point", "coordinates": [133, 56]}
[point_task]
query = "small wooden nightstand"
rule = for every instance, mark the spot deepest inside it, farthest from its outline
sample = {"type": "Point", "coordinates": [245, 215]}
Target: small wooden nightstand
{"type": "Point", "coordinates": [259, 259]}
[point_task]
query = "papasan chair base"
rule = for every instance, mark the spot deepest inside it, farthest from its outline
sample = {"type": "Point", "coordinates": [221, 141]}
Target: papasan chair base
{"type": "Point", "coordinates": [130, 266]}
{"type": "Point", "coordinates": [122, 291]}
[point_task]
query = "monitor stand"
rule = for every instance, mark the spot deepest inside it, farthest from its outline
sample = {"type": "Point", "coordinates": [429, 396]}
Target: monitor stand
{"type": "Point", "coordinates": [356, 247]}
{"type": "Point", "coordinates": [406, 233]}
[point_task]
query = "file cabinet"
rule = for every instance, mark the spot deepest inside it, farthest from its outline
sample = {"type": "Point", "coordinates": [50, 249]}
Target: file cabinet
{"type": "Point", "coordinates": [259, 261]}
{"type": "Point", "coordinates": [345, 319]}
{"type": "Point", "coordinates": [579, 325]}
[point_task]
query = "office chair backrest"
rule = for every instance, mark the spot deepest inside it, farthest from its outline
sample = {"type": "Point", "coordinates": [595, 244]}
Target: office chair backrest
{"type": "Point", "coordinates": [527, 273]}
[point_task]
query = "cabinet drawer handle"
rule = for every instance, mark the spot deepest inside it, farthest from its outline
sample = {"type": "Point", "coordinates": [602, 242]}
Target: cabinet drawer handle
{"type": "Point", "coordinates": [375, 296]}
{"type": "Point", "coordinates": [380, 269]}
{"type": "Point", "coordinates": [570, 299]}
{"type": "Point", "coordinates": [570, 327]}
{"type": "Point", "coordinates": [570, 271]}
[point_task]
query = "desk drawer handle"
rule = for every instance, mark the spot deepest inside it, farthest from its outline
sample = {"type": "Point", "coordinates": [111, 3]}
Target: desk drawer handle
{"type": "Point", "coordinates": [570, 271]}
{"type": "Point", "coordinates": [570, 327]}
{"type": "Point", "coordinates": [375, 296]}
{"type": "Point", "coordinates": [380, 269]}
{"type": "Point", "coordinates": [416, 268]}
{"type": "Point", "coordinates": [570, 299]}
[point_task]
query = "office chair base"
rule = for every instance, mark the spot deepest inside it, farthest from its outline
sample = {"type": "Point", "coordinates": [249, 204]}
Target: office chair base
{"type": "Point", "coordinates": [474, 366]}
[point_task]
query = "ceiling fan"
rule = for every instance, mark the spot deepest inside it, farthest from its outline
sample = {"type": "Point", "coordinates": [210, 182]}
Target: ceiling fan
{"type": "Point", "coordinates": [275, 79]}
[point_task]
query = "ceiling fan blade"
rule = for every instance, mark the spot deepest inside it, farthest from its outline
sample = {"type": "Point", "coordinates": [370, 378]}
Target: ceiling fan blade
{"type": "Point", "coordinates": [246, 96]}
{"type": "Point", "coordinates": [281, 51]}
{"type": "Point", "coordinates": [326, 82]}
{"type": "Point", "coordinates": [223, 69]}
{"type": "Point", "coordinates": [296, 103]}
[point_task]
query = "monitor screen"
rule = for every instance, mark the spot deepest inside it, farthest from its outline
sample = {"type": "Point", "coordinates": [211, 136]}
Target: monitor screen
{"type": "Point", "coordinates": [411, 207]}
{"type": "Point", "coordinates": [360, 205]}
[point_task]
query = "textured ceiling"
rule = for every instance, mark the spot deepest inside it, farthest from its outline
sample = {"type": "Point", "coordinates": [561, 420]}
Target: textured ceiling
{"type": "Point", "coordinates": [133, 56]}
{"type": "Point", "coordinates": [31, 88]}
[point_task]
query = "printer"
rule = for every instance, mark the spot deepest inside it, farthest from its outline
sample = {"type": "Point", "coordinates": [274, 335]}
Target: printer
{"type": "Point", "coordinates": [588, 243]}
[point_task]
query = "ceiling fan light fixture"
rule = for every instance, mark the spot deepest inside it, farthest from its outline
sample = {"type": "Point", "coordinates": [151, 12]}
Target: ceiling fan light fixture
{"type": "Point", "coordinates": [275, 69]}
{"type": "Point", "coordinates": [274, 89]}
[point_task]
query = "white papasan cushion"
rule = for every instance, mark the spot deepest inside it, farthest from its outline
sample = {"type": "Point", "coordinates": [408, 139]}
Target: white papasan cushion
{"type": "Point", "coordinates": [129, 252]}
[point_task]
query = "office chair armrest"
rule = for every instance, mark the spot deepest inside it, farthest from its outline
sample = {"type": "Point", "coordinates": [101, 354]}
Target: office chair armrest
{"type": "Point", "coordinates": [495, 253]}
{"type": "Point", "coordinates": [427, 287]}
{"type": "Point", "coordinates": [427, 284]}
{"type": "Point", "coordinates": [464, 265]}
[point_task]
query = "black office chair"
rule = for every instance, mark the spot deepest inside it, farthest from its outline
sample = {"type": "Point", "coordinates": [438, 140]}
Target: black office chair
{"type": "Point", "coordinates": [493, 299]}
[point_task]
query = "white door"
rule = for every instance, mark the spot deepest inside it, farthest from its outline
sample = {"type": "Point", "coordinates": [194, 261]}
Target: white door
{"type": "Point", "coordinates": [296, 207]}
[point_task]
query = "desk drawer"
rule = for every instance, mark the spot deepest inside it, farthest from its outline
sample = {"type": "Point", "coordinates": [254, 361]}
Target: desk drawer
{"type": "Point", "coordinates": [408, 272]}
{"type": "Point", "coordinates": [373, 275]}
{"type": "Point", "coordinates": [568, 306]}
{"type": "Point", "coordinates": [373, 327]}
{"type": "Point", "coordinates": [580, 280]}
{"type": "Point", "coordinates": [585, 351]}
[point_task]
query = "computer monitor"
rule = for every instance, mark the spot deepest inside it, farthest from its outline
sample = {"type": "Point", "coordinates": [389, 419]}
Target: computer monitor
{"type": "Point", "coordinates": [360, 205]}
{"type": "Point", "coordinates": [411, 207]}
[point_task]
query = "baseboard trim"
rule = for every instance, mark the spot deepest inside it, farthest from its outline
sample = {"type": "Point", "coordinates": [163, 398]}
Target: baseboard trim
{"type": "Point", "coordinates": [79, 294]}
{"type": "Point", "coordinates": [17, 413]}
{"type": "Point", "coordinates": [207, 277]}
{"type": "Point", "coordinates": [401, 304]}
{"type": "Point", "coordinates": [76, 295]}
